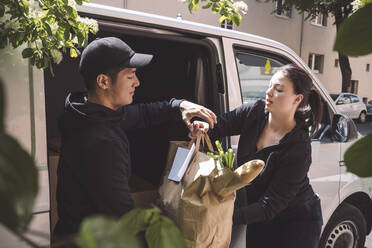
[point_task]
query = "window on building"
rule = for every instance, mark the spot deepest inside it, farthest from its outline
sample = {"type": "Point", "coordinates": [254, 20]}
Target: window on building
{"type": "Point", "coordinates": [280, 11]}
{"type": "Point", "coordinates": [316, 62]}
{"type": "Point", "coordinates": [320, 20]}
{"type": "Point", "coordinates": [367, 67]}
{"type": "Point", "coordinates": [354, 86]}
{"type": "Point", "coordinates": [336, 62]}
{"type": "Point", "coordinates": [227, 25]}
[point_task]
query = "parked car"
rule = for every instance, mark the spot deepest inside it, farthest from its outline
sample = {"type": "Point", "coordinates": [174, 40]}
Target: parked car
{"type": "Point", "coordinates": [215, 67]}
{"type": "Point", "coordinates": [369, 107]}
{"type": "Point", "coordinates": [351, 105]}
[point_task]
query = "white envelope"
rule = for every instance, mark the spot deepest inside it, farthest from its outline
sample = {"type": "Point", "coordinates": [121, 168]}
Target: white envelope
{"type": "Point", "coordinates": [180, 163]}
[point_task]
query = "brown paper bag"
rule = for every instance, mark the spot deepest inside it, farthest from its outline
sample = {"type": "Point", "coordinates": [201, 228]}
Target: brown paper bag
{"type": "Point", "coordinates": [202, 204]}
{"type": "Point", "coordinates": [170, 191]}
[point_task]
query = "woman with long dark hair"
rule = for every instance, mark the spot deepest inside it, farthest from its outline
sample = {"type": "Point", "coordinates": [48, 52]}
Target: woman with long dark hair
{"type": "Point", "coordinates": [279, 207]}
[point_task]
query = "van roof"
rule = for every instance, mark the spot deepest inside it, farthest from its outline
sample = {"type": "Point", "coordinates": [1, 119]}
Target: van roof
{"type": "Point", "coordinates": [174, 24]}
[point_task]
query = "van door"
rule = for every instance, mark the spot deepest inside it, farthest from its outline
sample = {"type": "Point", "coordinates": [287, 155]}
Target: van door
{"type": "Point", "coordinates": [249, 68]}
{"type": "Point", "coordinates": [183, 67]}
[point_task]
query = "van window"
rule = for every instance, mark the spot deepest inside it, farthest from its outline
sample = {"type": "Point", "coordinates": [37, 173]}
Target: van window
{"type": "Point", "coordinates": [255, 72]}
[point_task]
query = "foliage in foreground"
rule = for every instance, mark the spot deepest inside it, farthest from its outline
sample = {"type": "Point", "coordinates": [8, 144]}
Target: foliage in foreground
{"type": "Point", "coordinates": [230, 11]}
{"type": "Point", "coordinates": [46, 28]}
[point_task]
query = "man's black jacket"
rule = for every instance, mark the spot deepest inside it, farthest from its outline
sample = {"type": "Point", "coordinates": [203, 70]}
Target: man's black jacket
{"type": "Point", "coordinates": [94, 165]}
{"type": "Point", "coordinates": [283, 185]}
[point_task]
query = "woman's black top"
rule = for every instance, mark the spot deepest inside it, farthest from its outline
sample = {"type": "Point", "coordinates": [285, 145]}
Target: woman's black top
{"type": "Point", "coordinates": [283, 184]}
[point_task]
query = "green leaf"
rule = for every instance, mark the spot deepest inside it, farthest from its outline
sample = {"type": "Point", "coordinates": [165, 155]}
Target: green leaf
{"type": "Point", "coordinates": [164, 234]}
{"type": "Point", "coordinates": [2, 10]}
{"type": "Point", "coordinates": [27, 52]}
{"type": "Point", "coordinates": [73, 52]}
{"type": "Point", "coordinates": [71, 12]}
{"type": "Point", "coordinates": [96, 232]}
{"type": "Point", "coordinates": [18, 182]}
{"type": "Point", "coordinates": [135, 220]}
{"type": "Point", "coordinates": [358, 157]}
{"type": "Point", "coordinates": [236, 19]}
{"type": "Point", "coordinates": [354, 37]}
{"type": "Point", "coordinates": [195, 7]}
{"type": "Point", "coordinates": [46, 61]}
{"type": "Point", "coordinates": [80, 2]}
{"type": "Point", "coordinates": [222, 18]}
{"type": "Point", "coordinates": [24, 6]}
{"type": "Point", "coordinates": [48, 29]}
{"type": "Point", "coordinates": [207, 6]}
{"type": "Point", "coordinates": [191, 7]}
{"type": "Point", "coordinates": [81, 38]}
{"type": "Point", "coordinates": [66, 34]}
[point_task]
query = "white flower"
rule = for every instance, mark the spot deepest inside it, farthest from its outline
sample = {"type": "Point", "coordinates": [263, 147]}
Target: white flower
{"type": "Point", "coordinates": [35, 11]}
{"type": "Point", "coordinates": [92, 24]}
{"type": "Point", "coordinates": [56, 55]}
{"type": "Point", "coordinates": [11, 24]}
{"type": "Point", "coordinates": [54, 26]}
{"type": "Point", "coordinates": [38, 44]}
{"type": "Point", "coordinates": [75, 40]}
{"type": "Point", "coordinates": [71, 3]}
{"type": "Point", "coordinates": [6, 16]}
{"type": "Point", "coordinates": [356, 5]}
{"type": "Point", "coordinates": [241, 7]}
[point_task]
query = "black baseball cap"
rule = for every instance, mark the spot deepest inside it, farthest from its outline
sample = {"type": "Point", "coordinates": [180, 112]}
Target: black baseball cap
{"type": "Point", "coordinates": [103, 54]}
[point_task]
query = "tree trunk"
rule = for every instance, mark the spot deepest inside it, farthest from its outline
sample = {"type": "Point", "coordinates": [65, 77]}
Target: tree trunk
{"type": "Point", "coordinates": [343, 60]}
{"type": "Point", "coordinates": [346, 72]}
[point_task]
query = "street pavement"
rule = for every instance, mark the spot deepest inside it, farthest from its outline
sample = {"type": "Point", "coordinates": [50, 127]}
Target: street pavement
{"type": "Point", "coordinates": [368, 243]}
{"type": "Point", "coordinates": [364, 129]}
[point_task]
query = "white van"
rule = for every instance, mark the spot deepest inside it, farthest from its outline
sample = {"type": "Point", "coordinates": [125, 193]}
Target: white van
{"type": "Point", "coordinates": [215, 67]}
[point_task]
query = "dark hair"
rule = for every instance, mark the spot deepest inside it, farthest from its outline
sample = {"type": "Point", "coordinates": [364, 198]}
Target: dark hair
{"type": "Point", "coordinates": [309, 112]}
{"type": "Point", "coordinates": [90, 83]}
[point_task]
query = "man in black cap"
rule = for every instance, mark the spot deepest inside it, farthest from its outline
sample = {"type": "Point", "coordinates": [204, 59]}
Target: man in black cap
{"type": "Point", "coordinates": [94, 166]}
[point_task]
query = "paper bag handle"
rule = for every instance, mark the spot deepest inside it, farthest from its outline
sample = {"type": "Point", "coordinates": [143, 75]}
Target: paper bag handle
{"type": "Point", "coordinates": [204, 138]}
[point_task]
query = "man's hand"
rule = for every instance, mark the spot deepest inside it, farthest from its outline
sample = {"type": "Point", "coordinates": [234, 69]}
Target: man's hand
{"type": "Point", "coordinates": [190, 110]}
{"type": "Point", "coordinates": [197, 127]}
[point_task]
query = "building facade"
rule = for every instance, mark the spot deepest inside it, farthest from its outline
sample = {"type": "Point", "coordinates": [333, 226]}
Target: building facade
{"type": "Point", "coordinates": [312, 40]}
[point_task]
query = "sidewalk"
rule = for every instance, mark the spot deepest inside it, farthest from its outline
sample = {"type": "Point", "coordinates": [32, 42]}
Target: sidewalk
{"type": "Point", "coordinates": [368, 243]}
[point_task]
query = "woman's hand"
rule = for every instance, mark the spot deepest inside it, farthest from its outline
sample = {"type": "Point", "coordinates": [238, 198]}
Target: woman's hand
{"type": "Point", "coordinates": [197, 127]}
{"type": "Point", "coordinates": [190, 110]}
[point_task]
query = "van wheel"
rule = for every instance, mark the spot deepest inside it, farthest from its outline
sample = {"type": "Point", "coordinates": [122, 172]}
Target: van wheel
{"type": "Point", "coordinates": [362, 117]}
{"type": "Point", "coordinates": [345, 229]}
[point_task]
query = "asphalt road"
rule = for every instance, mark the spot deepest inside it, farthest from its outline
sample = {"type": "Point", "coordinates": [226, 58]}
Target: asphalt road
{"type": "Point", "coordinates": [364, 129]}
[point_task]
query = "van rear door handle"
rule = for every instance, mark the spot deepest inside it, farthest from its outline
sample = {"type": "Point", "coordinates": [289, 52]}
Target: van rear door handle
{"type": "Point", "coordinates": [341, 163]}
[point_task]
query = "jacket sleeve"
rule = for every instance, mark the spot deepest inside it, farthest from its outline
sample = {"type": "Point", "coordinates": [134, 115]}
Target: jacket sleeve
{"type": "Point", "coordinates": [106, 179]}
{"type": "Point", "coordinates": [232, 123]}
{"type": "Point", "coordinates": [283, 188]}
{"type": "Point", "coordinates": [148, 114]}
